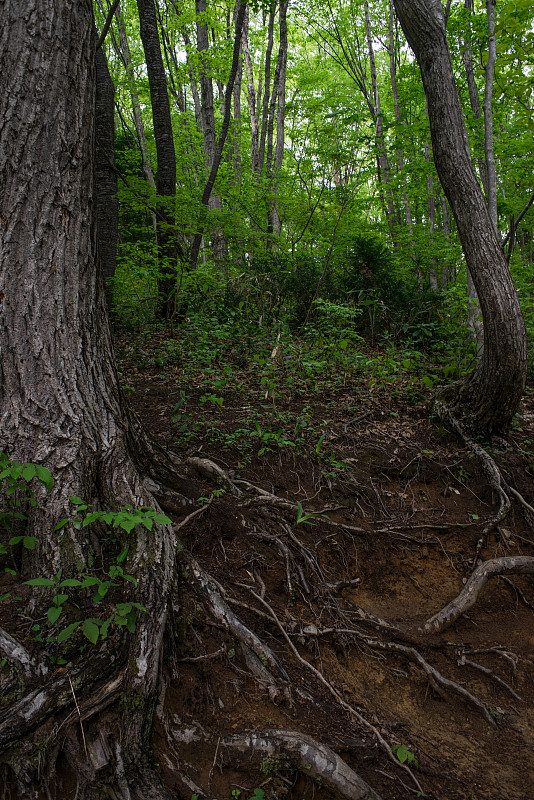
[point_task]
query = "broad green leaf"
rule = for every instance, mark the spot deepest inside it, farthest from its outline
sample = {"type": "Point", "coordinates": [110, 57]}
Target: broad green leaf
{"type": "Point", "coordinates": [67, 632]}
{"type": "Point", "coordinates": [91, 630]}
{"type": "Point", "coordinates": [162, 519]}
{"type": "Point", "coordinates": [53, 614]}
{"type": "Point", "coordinates": [45, 477]}
{"type": "Point", "coordinates": [28, 472]}
{"type": "Point", "coordinates": [40, 582]}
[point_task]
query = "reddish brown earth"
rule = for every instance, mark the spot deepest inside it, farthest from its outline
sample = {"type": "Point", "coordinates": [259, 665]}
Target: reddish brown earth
{"type": "Point", "coordinates": [420, 501]}
{"type": "Point", "coordinates": [405, 473]}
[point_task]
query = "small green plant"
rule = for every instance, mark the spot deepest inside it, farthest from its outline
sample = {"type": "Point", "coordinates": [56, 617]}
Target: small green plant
{"type": "Point", "coordinates": [124, 614]}
{"type": "Point", "coordinates": [16, 478]}
{"type": "Point", "coordinates": [308, 519]}
{"type": "Point", "coordinates": [405, 755]}
{"type": "Point", "coordinates": [211, 398]}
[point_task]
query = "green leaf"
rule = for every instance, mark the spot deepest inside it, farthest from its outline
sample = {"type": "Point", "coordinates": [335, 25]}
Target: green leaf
{"type": "Point", "coordinates": [40, 582]}
{"type": "Point", "coordinates": [131, 621]}
{"type": "Point", "coordinates": [44, 475]}
{"type": "Point", "coordinates": [61, 524]}
{"type": "Point", "coordinates": [67, 632]}
{"type": "Point", "coordinates": [402, 753]}
{"type": "Point", "coordinates": [91, 630]}
{"type": "Point", "coordinates": [15, 540]}
{"type": "Point", "coordinates": [89, 581]}
{"type": "Point", "coordinates": [70, 582]}
{"type": "Point", "coordinates": [29, 542]}
{"type": "Point", "coordinates": [53, 614]}
{"type": "Point", "coordinates": [121, 557]}
{"type": "Point", "coordinates": [427, 380]}
{"type": "Point", "coordinates": [124, 608]}
{"type": "Point", "coordinates": [28, 472]}
{"type": "Point", "coordinates": [59, 599]}
{"type": "Point", "coordinates": [77, 501]}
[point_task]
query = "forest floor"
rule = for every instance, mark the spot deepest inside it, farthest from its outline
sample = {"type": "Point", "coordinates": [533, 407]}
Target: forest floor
{"type": "Point", "coordinates": [371, 521]}
{"type": "Point", "coordinates": [400, 505]}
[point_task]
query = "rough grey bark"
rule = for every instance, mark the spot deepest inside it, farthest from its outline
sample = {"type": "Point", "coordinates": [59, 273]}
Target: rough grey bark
{"type": "Point", "coordinates": [166, 156]}
{"type": "Point", "coordinates": [107, 204]}
{"type": "Point", "coordinates": [488, 399]}
{"type": "Point", "coordinates": [60, 402]}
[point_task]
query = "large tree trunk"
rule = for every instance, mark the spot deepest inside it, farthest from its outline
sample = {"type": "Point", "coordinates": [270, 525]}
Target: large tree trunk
{"type": "Point", "coordinates": [487, 400]}
{"type": "Point", "coordinates": [60, 402]}
{"type": "Point", "coordinates": [166, 155]}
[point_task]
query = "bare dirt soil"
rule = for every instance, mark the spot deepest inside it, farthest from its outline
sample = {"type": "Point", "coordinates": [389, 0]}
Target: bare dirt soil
{"type": "Point", "coordinates": [371, 520]}
{"type": "Point", "coordinates": [404, 505]}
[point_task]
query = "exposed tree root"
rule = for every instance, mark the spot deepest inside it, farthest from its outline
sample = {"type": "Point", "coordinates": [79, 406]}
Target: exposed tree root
{"type": "Point", "coordinates": [220, 609]}
{"type": "Point", "coordinates": [511, 565]}
{"type": "Point", "coordinates": [343, 703]}
{"type": "Point", "coordinates": [439, 683]}
{"type": "Point", "coordinates": [489, 467]}
{"type": "Point", "coordinates": [14, 651]}
{"type": "Point", "coordinates": [313, 758]}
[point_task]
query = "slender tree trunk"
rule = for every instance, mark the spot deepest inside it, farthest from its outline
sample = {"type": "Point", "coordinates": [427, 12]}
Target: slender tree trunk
{"type": "Point", "coordinates": [206, 195]}
{"type": "Point", "coordinates": [266, 87]}
{"type": "Point", "coordinates": [467, 58]}
{"type": "Point", "coordinates": [278, 102]}
{"type": "Point", "coordinates": [126, 58]}
{"type": "Point", "coordinates": [392, 46]}
{"type": "Point", "coordinates": [489, 397]}
{"type": "Point", "coordinates": [237, 165]}
{"type": "Point", "coordinates": [61, 406]}
{"type": "Point", "coordinates": [383, 161]}
{"type": "Point", "coordinates": [251, 97]}
{"type": "Point", "coordinates": [106, 202]}
{"type": "Point", "coordinates": [166, 176]}
{"type": "Point", "coordinates": [214, 201]}
{"type": "Point", "coordinates": [488, 117]}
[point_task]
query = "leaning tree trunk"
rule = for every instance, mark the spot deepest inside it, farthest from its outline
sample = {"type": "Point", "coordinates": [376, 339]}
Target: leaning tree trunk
{"type": "Point", "coordinates": [488, 399]}
{"type": "Point", "coordinates": [61, 407]}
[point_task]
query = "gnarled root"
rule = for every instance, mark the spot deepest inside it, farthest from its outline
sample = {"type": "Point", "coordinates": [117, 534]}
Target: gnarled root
{"type": "Point", "coordinates": [309, 755]}
{"type": "Point", "coordinates": [490, 468]}
{"type": "Point", "coordinates": [511, 565]}
{"type": "Point", "coordinates": [226, 617]}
